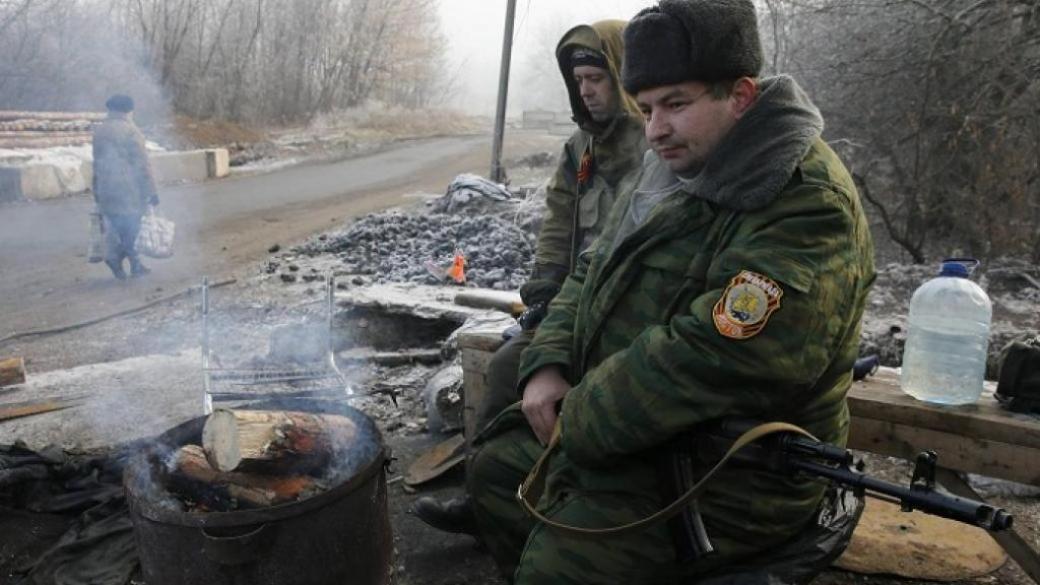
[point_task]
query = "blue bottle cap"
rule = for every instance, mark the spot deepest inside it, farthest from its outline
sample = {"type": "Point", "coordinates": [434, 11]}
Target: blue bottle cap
{"type": "Point", "coordinates": [958, 267]}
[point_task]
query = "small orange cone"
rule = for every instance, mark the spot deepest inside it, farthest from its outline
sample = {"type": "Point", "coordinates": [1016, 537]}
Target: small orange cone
{"type": "Point", "coordinates": [458, 268]}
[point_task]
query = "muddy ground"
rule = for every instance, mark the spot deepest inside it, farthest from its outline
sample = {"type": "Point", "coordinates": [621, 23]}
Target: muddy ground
{"type": "Point", "coordinates": [141, 374]}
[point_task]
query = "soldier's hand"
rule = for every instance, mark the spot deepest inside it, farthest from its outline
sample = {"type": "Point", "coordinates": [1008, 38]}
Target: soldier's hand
{"type": "Point", "coordinates": [542, 395]}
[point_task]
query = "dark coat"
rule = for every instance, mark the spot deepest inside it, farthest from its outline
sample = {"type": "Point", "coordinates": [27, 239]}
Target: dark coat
{"type": "Point", "coordinates": [123, 182]}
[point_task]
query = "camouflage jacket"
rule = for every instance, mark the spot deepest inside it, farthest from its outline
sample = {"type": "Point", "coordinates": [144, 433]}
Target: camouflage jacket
{"type": "Point", "coordinates": [595, 159]}
{"type": "Point", "coordinates": [123, 181]}
{"type": "Point", "coordinates": [708, 311]}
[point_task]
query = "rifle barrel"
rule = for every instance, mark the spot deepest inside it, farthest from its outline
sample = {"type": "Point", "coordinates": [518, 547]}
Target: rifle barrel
{"type": "Point", "coordinates": [913, 498]}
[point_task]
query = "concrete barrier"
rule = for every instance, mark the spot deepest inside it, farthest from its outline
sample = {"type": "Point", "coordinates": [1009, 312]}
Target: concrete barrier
{"type": "Point", "coordinates": [218, 163]}
{"type": "Point", "coordinates": [44, 181]}
{"type": "Point", "coordinates": [174, 167]}
{"type": "Point", "coordinates": [533, 119]}
{"type": "Point", "coordinates": [49, 180]}
{"type": "Point", "coordinates": [10, 184]}
{"type": "Point", "coordinates": [563, 128]}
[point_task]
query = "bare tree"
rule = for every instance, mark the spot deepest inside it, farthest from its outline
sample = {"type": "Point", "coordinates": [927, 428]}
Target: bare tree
{"type": "Point", "coordinates": [941, 99]}
{"type": "Point", "coordinates": [258, 60]}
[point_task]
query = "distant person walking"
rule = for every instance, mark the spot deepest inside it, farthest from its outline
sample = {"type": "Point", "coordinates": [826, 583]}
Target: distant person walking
{"type": "Point", "coordinates": [123, 184]}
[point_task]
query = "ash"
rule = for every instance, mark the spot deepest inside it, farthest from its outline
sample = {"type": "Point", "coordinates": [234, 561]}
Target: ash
{"type": "Point", "coordinates": [410, 247]}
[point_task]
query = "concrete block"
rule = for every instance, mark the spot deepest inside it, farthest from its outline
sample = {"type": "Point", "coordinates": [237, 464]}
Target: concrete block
{"type": "Point", "coordinates": [174, 167]}
{"type": "Point", "coordinates": [218, 163]}
{"type": "Point", "coordinates": [10, 184]}
{"type": "Point", "coordinates": [47, 181]}
{"type": "Point", "coordinates": [563, 128]}
{"type": "Point", "coordinates": [564, 118]}
{"type": "Point", "coordinates": [87, 170]}
{"type": "Point", "coordinates": [40, 182]}
{"type": "Point", "coordinates": [534, 119]}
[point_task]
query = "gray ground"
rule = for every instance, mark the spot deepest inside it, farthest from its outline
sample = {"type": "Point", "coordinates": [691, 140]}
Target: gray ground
{"type": "Point", "coordinates": [222, 225]}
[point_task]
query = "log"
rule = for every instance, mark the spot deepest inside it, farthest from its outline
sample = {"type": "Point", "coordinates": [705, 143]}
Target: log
{"type": "Point", "coordinates": [274, 441]}
{"type": "Point", "coordinates": [193, 476]}
{"type": "Point", "coordinates": [505, 301]}
{"type": "Point", "coordinates": [12, 371]}
{"type": "Point", "coordinates": [26, 115]}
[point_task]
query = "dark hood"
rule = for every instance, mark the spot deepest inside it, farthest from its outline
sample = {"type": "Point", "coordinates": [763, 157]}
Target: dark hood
{"type": "Point", "coordinates": [604, 36]}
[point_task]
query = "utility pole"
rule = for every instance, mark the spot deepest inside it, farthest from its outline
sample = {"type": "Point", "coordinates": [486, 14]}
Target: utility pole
{"type": "Point", "coordinates": [498, 174]}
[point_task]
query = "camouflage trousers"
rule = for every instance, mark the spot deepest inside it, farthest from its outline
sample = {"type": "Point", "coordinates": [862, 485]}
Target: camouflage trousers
{"type": "Point", "coordinates": [533, 553]}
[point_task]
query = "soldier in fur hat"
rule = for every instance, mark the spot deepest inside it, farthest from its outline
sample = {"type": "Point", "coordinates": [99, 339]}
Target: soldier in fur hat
{"type": "Point", "coordinates": [730, 282]}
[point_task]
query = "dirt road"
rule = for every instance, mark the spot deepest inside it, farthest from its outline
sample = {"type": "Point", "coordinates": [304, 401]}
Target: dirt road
{"type": "Point", "coordinates": [222, 225]}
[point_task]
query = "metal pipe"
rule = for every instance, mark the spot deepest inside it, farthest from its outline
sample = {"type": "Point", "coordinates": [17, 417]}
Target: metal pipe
{"type": "Point", "coordinates": [497, 172]}
{"type": "Point", "coordinates": [207, 400]}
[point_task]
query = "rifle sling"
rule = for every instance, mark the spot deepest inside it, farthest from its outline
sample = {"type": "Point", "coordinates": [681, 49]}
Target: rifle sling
{"type": "Point", "coordinates": [531, 489]}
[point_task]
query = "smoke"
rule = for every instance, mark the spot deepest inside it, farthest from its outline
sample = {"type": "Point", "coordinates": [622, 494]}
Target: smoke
{"type": "Point", "coordinates": [475, 39]}
{"type": "Point", "coordinates": [61, 55]}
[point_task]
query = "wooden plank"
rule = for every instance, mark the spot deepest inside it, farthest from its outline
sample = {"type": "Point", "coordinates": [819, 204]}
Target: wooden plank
{"type": "Point", "coordinates": [32, 134]}
{"type": "Point", "coordinates": [475, 360]}
{"type": "Point", "coordinates": [985, 457]}
{"type": "Point", "coordinates": [12, 371]}
{"type": "Point", "coordinates": [880, 398]}
{"type": "Point", "coordinates": [1012, 542]}
{"type": "Point", "coordinates": [481, 339]}
{"type": "Point", "coordinates": [474, 388]}
{"type": "Point", "coordinates": [43, 142]}
{"type": "Point", "coordinates": [23, 115]}
{"type": "Point", "coordinates": [23, 409]}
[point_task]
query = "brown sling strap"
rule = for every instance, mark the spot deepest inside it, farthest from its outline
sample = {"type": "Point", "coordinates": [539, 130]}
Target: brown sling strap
{"type": "Point", "coordinates": [531, 489]}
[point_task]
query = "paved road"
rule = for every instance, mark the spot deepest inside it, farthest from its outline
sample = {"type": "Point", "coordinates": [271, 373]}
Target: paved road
{"type": "Point", "coordinates": [222, 225]}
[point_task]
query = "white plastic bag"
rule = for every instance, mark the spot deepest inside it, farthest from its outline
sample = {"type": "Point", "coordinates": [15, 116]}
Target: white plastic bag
{"type": "Point", "coordinates": [156, 236]}
{"type": "Point", "coordinates": [96, 239]}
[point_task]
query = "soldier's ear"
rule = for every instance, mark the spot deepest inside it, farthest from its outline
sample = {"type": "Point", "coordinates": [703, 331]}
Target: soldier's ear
{"type": "Point", "coordinates": [743, 96]}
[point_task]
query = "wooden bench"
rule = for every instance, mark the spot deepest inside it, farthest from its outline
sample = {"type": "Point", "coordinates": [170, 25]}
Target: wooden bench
{"type": "Point", "coordinates": [981, 438]}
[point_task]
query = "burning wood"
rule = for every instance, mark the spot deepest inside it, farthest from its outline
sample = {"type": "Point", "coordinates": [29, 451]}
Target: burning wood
{"type": "Point", "coordinates": [252, 440]}
{"type": "Point", "coordinates": [192, 476]}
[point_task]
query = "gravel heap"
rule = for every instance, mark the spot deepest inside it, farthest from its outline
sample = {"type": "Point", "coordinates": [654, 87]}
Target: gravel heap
{"type": "Point", "coordinates": [396, 247]}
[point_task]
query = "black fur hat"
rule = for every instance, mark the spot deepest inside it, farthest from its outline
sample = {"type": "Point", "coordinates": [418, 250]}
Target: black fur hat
{"type": "Point", "coordinates": [691, 40]}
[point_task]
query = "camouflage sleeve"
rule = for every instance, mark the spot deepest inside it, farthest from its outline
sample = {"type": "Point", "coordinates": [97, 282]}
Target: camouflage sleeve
{"type": "Point", "coordinates": [554, 239]}
{"type": "Point", "coordinates": [677, 375]}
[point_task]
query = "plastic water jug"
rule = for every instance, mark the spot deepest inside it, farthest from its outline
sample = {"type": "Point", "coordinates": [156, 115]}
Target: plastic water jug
{"type": "Point", "coordinates": [944, 360]}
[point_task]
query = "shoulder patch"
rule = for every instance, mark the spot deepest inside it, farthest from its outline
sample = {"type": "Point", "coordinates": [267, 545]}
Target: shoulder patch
{"type": "Point", "coordinates": [746, 305]}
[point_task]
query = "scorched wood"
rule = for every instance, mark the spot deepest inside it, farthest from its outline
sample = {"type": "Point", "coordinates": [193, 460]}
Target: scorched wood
{"type": "Point", "coordinates": [193, 476]}
{"type": "Point", "coordinates": [274, 441]}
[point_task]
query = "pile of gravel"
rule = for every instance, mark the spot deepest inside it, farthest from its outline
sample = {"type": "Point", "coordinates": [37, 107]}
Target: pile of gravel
{"type": "Point", "coordinates": [396, 247]}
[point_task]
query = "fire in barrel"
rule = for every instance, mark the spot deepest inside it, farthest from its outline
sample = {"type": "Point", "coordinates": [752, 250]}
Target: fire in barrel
{"type": "Point", "coordinates": [253, 458]}
{"type": "Point", "coordinates": [258, 496]}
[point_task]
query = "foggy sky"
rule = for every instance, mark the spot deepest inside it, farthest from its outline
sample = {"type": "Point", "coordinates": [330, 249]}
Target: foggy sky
{"type": "Point", "coordinates": [475, 27]}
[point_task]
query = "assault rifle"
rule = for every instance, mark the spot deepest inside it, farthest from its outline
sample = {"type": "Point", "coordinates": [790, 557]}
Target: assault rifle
{"type": "Point", "coordinates": [789, 453]}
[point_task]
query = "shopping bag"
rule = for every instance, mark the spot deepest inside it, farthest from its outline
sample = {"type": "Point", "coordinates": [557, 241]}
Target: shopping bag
{"type": "Point", "coordinates": [96, 238]}
{"type": "Point", "coordinates": [155, 239]}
